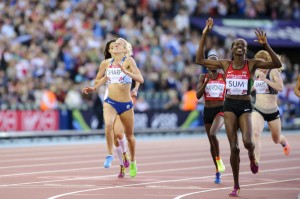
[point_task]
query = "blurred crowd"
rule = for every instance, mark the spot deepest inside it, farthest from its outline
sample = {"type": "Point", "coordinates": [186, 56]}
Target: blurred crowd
{"type": "Point", "coordinates": [50, 49]}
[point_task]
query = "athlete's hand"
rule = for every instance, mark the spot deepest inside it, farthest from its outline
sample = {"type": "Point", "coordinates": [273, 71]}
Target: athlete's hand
{"type": "Point", "coordinates": [210, 75]}
{"type": "Point", "coordinates": [261, 76]}
{"type": "Point", "coordinates": [208, 26]}
{"type": "Point", "coordinates": [86, 90]}
{"type": "Point", "coordinates": [124, 70]}
{"type": "Point", "coordinates": [261, 36]}
{"type": "Point", "coordinates": [134, 92]}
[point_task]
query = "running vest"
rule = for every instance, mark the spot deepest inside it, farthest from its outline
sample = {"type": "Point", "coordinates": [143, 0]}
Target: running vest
{"type": "Point", "coordinates": [115, 75]}
{"type": "Point", "coordinates": [215, 88]}
{"type": "Point", "coordinates": [262, 87]}
{"type": "Point", "coordinates": [238, 81]}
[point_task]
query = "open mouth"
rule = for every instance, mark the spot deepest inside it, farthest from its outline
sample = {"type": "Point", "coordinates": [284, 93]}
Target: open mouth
{"type": "Point", "coordinates": [239, 50]}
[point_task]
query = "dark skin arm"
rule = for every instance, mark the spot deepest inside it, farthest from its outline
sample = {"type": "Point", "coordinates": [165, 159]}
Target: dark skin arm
{"type": "Point", "coordinates": [201, 85]}
{"type": "Point", "coordinates": [211, 64]}
{"type": "Point", "coordinates": [275, 63]}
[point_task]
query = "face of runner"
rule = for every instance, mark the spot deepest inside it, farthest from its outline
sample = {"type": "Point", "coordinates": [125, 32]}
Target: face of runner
{"type": "Point", "coordinates": [239, 47]}
{"type": "Point", "coordinates": [119, 46]}
{"type": "Point", "coordinates": [212, 57]}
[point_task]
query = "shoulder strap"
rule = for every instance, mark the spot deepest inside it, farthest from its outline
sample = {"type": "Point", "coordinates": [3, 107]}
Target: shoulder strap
{"type": "Point", "coordinates": [111, 61]}
{"type": "Point", "coordinates": [123, 59]}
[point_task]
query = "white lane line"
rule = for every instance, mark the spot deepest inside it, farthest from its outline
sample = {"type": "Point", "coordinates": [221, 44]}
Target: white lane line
{"type": "Point", "coordinates": [247, 185]}
{"type": "Point", "coordinates": [93, 161]}
{"type": "Point", "coordinates": [164, 181]}
{"type": "Point", "coordinates": [144, 164]}
{"type": "Point", "coordinates": [66, 154]}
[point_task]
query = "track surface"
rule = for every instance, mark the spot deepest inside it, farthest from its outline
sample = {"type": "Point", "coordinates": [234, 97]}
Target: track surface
{"type": "Point", "coordinates": [168, 168]}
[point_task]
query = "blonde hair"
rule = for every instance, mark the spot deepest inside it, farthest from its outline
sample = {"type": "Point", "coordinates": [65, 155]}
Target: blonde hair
{"type": "Point", "coordinates": [264, 55]}
{"type": "Point", "coordinates": [128, 47]}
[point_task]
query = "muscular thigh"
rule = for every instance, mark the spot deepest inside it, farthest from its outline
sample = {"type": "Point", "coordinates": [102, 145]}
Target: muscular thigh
{"type": "Point", "coordinates": [258, 122]}
{"type": "Point", "coordinates": [127, 119]}
{"type": "Point", "coordinates": [245, 121]}
{"type": "Point", "coordinates": [109, 114]}
{"type": "Point", "coordinates": [118, 126]}
{"type": "Point", "coordinates": [231, 126]}
{"type": "Point", "coordinates": [275, 127]}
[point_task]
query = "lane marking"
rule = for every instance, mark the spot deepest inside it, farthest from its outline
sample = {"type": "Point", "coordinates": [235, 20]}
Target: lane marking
{"type": "Point", "coordinates": [176, 180]}
{"type": "Point", "coordinates": [247, 185]}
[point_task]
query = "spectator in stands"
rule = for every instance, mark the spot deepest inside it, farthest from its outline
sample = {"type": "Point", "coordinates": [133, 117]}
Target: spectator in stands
{"type": "Point", "coordinates": [189, 99]}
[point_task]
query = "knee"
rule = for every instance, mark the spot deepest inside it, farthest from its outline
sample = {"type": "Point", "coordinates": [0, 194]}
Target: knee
{"type": "Point", "coordinates": [235, 149]}
{"type": "Point", "coordinates": [256, 134]}
{"type": "Point", "coordinates": [130, 137]}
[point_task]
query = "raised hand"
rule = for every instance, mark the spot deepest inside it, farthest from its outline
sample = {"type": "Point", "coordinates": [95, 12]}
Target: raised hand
{"type": "Point", "coordinates": [86, 90]}
{"type": "Point", "coordinates": [209, 25]}
{"type": "Point", "coordinates": [261, 36]}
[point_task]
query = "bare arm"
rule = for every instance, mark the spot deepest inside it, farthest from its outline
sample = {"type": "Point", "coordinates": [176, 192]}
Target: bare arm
{"type": "Point", "coordinates": [100, 82]}
{"type": "Point", "coordinates": [200, 59]}
{"type": "Point", "coordinates": [134, 91]}
{"type": "Point", "coordinates": [101, 71]}
{"type": "Point", "coordinates": [135, 74]}
{"type": "Point", "coordinates": [275, 63]}
{"type": "Point", "coordinates": [201, 86]}
{"type": "Point", "coordinates": [277, 82]}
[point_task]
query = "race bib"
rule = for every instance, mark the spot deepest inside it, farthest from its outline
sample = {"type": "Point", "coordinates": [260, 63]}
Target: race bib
{"type": "Point", "coordinates": [261, 87]}
{"type": "Point", "coordinates": [236, 86]}
{"type": "Point", "coordinates": [214, 90]}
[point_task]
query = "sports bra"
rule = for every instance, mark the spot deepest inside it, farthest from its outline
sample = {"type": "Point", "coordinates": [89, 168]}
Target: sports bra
{"type": "Point", "coordinates": [238, 81]}
{"type": "Point", "coordinates": [115, 75]}
{"type": "Point", "coordinates": [262, 87]}
{"type": "Point", "coordinates": [215, 88]}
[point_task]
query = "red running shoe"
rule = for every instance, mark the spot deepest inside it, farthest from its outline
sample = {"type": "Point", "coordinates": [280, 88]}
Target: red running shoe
{"type": "Point", "coordinates": [287, 149]}
{"type": "Point", "coordinates": [126, 160]}
{"type": "Point", "coordinates": [122, 172]}
{"type": "Point", "coordinates": [254, 166]}
{"type": "Point", "coordinates": [235, 192]}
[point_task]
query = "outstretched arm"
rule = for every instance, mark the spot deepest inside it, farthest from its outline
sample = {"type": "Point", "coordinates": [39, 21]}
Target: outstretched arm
{"type": "Point", "coordinates": [100, 82]}
{"type": "Point", "coordinates": [211, 64]}
{"type": "Point", "coordinates": [275, 63]}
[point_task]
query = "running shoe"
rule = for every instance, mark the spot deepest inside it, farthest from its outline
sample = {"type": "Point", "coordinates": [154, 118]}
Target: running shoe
{"type": "Point", "coordinates": [235, 192]}
{"type": "Point", "coordinates": [133, 169]}
{"type": "Point", "coordinates": [254, 166]}
{"type": "Point", "coordinates": [221, 166]}
{"type": "Point", "coordinates": [287, 149]}
{"type": "Point", "coordinates": [125, 160]}
{"type": "Point", "coordinates": [122, 172]}
{"type": "Point", "coordinates": [108, 161]}
{"type": "Point", "coordinates": [218, 178]}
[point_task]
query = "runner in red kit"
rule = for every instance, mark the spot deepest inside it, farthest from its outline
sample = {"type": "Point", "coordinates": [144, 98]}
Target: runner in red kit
{"type": "Point", "coordinates": [212, 86]}
{"type": "Point", "coordinates": [237, 106]}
